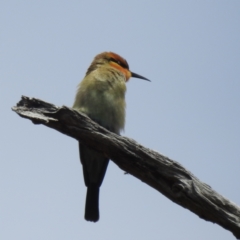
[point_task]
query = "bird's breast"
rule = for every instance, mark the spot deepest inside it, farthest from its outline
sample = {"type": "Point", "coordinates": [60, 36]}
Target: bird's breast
{"type": "Point", "coordinates": [102, 97]}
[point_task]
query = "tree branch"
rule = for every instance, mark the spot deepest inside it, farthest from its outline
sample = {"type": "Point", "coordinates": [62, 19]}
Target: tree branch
{"type": "Point", "coordinates": [156, 170]}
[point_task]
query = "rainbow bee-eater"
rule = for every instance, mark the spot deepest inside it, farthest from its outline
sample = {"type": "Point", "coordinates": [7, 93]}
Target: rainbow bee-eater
{"type": "Point", "coordinates": [101, 96]}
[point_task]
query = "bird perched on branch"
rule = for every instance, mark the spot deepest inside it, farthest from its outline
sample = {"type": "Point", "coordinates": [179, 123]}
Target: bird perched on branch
{"type": "Point", "coordinates": [101, 96]}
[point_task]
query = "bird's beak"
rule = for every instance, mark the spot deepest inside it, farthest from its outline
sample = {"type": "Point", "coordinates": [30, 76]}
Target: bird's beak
{"type": "Point", "coordinates": [138, 76]}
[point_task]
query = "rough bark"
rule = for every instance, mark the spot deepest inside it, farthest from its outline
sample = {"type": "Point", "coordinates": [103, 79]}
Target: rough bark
{"type": "Point", "coordinates": [165, 175]}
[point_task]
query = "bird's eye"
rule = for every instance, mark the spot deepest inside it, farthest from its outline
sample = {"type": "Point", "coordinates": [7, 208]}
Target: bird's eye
{"type": "Point", "coordinates": [114, 60]}
{"type": "Point", "coordinates": [118, 62]}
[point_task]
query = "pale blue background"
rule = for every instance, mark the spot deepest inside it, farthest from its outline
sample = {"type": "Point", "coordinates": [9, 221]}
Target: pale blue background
{"type": "Point", "coordinates": [189, 112]}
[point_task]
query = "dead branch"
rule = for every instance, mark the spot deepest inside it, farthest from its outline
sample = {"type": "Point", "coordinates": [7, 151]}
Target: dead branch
{"type": "Point", "coordinates": [156, 170]}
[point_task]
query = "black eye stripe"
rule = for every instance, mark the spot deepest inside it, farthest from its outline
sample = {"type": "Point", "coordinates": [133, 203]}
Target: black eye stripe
{"type": "Point", "coordinates": [119, 63]}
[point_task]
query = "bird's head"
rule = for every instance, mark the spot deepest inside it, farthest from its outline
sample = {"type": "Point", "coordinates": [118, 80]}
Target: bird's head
{"type": "Point", "coordinates": [115, 61]}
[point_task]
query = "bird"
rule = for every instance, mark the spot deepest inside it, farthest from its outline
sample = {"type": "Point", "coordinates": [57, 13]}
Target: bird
{"type": "Point", "coordinates": [101, 96]}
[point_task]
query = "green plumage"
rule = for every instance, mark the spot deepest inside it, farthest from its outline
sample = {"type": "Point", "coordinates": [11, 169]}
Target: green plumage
{"type": "Point", "coordinates": [101, 96]}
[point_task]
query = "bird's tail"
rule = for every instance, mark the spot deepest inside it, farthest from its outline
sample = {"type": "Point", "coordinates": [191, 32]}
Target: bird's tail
{"type": "Point", "coordinates": [91, 207]}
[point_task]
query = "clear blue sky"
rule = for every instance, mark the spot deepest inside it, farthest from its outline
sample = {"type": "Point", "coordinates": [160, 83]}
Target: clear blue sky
{"type": "Point", "coordinates": [189, 112]}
